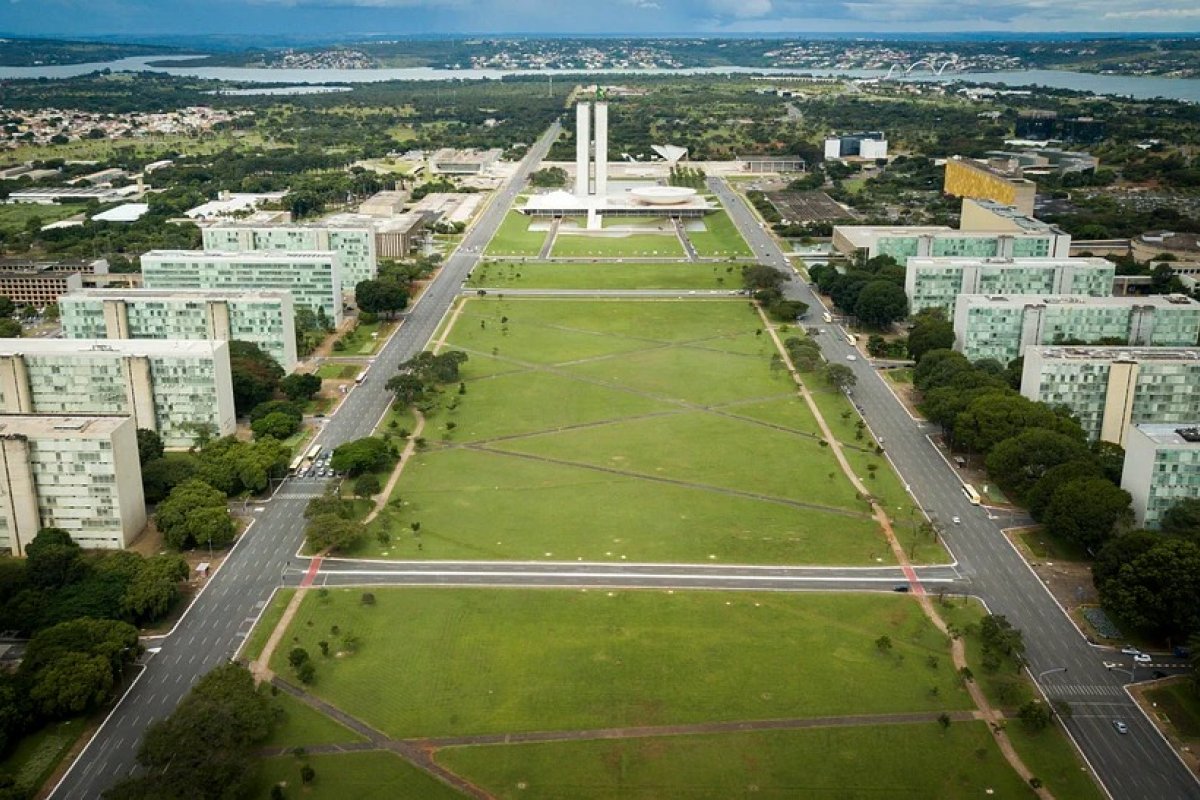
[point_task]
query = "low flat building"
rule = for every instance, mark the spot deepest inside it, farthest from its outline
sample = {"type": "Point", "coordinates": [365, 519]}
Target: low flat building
{"type": "Point", "coordinates": [72, 194]}
{"type": "Point", "coordinates": [967, 177]}
{"type": "Point", "coordinates": [937, 282]}
{"type": "Point", "coordinates": [388, 203]}
{"type": "Point", "coordinates": [868, 145]}
{"type": "Point", "coordinates": [264, 317]}
{"type": "Point", "coordinates": [39, 285]}
{"type": "Point", "coordinates": [770, 164]}
{"type": "Point", "coordinates": [232, 204]}
{"type": "Point", "coordinates": [352, 237]}
{"type": "Point", "coordinates": [313, 278]}
{"type": "Point", "coordinates": [176, 388]}
{"type": "Point", "coordinates": [906, 241]}
{"type": "Point", "coordinates": [1001, 326]}
{"type": "Point", "coordinates": [1162, 467]}
{"type": "Point", "coordinates": [76, 472]}
{"type": "Point", "coordinates": [1110, 388]}
{"type": "Point", "coordinates": [451, 161]}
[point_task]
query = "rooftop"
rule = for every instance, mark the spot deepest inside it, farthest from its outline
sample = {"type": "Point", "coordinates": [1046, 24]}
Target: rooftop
{"type": "Point", "coordinates": [246, 257]}
{"type": "Point", "coordinates": [60, 426]}
{"type": "Point", "coordinates": [114, 348]}
{"type": "Point", "coordinates": [1115, 353]}
{"type": "Point", "coordinates": [1023, 221]}
{"type": "Point", "coordinates": [1174, 434]}
{"type": "Point", "coordinates": [190, 294]}
{"type": "Point", "coordinates": [983, 167]}
{"type": "Point", "coordinates": [1155, 301]}
{"type": "Point", "coordinates": [969, 261]}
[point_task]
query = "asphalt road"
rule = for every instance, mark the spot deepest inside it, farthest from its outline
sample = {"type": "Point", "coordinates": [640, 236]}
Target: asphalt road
{"type": "Point", "coordinates": [225, 611]}
{"type": "Point", "coordinates": [1140, 764]}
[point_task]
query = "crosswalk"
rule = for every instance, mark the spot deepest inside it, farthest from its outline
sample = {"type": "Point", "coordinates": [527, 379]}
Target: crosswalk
{"type": "Point", "coordinates": [301, 489]}
{"type": "Point", "coordinates": [1084, 690]}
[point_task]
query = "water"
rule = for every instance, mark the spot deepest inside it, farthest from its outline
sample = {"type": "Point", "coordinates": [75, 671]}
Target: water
{"type": "Point", "coordinates": [1121, 85]}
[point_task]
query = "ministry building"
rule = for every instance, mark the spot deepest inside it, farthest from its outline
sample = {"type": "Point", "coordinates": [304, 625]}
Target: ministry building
{"type": "Point", "coordinates": [933, 282]}
{"type": "Point", "coordinates": [1162, 467]}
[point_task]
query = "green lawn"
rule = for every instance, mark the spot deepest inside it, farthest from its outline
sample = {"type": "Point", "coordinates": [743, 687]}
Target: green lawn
{"type": "Point", "coordinates": [720, 238]}
{"type": "Point", "coordinates": [37, 755]}
{"type": "Point", "coordinates": [14, 216]}
{"type": "Point", "coordinates": [300, 725]}
{"type": "Point", "coordinates": [681, 275]}
{"type": "Point", "coordinates": [363, 776]}
{"type": "Point", "coordinates": [359, 342]}
{"type": "Point", "coordinates": [1180, 704]}
{"type": "Point", "coordinates": [1045, 545]}
{"type": "Point", "coordinates": [514, 237]}
{"type": "Point", "coordinates": [902, 376]}
{"type": "Point", "coordinates": [555, 660]}
{"type": "Point", "coordinates": [626, 430]}
{"type": "Point", "coordinates": [609, 245]}
{"type": "Point", "coordinates": [337, 371]}
{"type": "Point", "coordinates": [900, 761]}
{"type": "Point", "coordinates": [257, 639]}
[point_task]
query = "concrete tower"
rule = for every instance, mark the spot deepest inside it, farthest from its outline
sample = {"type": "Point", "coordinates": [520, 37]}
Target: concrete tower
{"type": "Point", "coordinates": [601, 148]}
{"type": "Point", "coordinates": [583, 141]}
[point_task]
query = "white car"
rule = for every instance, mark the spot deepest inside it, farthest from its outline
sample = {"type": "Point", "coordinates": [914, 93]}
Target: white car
{"type": "Point", "coordinates": [956, 520]}
{"type": "Point", "coordinates": [852, 358]}
{"type": "Point", "coordinates": [1130, 650]}
{"type": "Point", "coordinates": [1142, 658]}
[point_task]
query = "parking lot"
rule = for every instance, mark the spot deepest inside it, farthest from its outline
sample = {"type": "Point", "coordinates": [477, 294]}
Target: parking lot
{"type": "Point", "coordinates": [801, 207]}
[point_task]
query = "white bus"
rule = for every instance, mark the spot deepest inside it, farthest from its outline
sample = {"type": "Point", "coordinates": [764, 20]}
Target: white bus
{"type": "Point", "coordinates": [972, 495]}
{"type": "Point", "coordinates": [827, 317]}
{"type": "Point", "coordinates": [362, 377]}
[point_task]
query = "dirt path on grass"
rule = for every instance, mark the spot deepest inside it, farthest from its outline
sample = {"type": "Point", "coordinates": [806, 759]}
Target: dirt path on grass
{"type": "Point", "coordinates": [406, 456]}
{"type": "Point", "coordinates": [994, 717]}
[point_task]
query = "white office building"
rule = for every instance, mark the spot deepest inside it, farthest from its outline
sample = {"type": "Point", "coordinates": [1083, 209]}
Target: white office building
{"type": "Point", "coordinates": [264, 317]}
{"type": "Point", "coordinates": [1110, 388]}
{"type": "Point", "coordinates": [933, 282]}
{"type": "Point", "coordinates": [312, 278]}
{"type": "Point", "coordinates": [1162, 467]}
{"type": "Point", "coordinates": [352, 239]}
{"type": "Point", "coordinates": [176, 388]}
{"type": "Point", "coordinates": [1001, 326]}
{"type": "Point", "coordinates": [78, 473]}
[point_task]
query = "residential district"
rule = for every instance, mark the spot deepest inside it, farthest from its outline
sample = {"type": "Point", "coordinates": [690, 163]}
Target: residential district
{"type": "Point", "coordinates": [575, 460]}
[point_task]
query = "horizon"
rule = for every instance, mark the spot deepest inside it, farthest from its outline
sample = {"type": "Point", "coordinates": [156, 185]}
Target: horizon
{"type": "Point", "coordinates": [77, 19]}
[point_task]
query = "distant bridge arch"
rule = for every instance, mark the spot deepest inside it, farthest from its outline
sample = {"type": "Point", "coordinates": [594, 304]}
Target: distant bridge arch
{"type": "Point", "coordinates": [934, 67]}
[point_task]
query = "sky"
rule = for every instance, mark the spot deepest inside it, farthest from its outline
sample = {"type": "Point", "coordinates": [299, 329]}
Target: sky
{"type": "Point", "coordinates": [80, 18]}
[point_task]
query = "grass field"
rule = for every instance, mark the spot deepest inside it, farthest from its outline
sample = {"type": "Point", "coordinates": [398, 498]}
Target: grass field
{"type": "Point", "coordinates": [633, 245]}
{"type": "Point", "coordinates": [257, 639]}
{"type": "Point", "coordinates": [359, 341]}
{"type": "Point", "coordinates": [917, 761]}
{"type": "Point", "coordinates": [38, 754]}
{"type": "Point", "coordinates": [1180, 703]}
{"type": "Point", "coordinates": [635, 430]}
{"type": "Point", "coordinates": [14, 216]}
{"type": "Point", "coordinates": [514, 237]}
{"type": "Point", "coordinates": [720, 239]}
{"type": "Point", "coordinates": [556, 660]}
{"type": "Point", "coordinates": [298, 725]}
{"type": "Point", "coordinates": [338, 371]}
{"type": "Point", "coordinates": [681, 275]}
{"type": "Point", "coordinates": [362, 776]}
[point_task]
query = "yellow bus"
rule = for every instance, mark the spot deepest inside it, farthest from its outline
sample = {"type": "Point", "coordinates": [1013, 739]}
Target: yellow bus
{"type": "Point", "coordinates": [851, 339]}
{"type": "Point", "coordinates": [972, 495]}
{"type": "Point", "coordinates": [827, 317]}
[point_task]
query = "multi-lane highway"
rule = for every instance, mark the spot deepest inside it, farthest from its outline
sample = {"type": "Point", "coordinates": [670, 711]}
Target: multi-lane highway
{"type": "Point", "coordinates": [224, 612]}
{"type": "Point", "coordinates": [1139, 764]}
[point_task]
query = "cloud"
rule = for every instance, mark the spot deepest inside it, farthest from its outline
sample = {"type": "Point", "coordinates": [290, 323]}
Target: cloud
{"type": "Point", "coordinates": [741, 9]}
{"type": "Point", "coordinates": [1154, 13]}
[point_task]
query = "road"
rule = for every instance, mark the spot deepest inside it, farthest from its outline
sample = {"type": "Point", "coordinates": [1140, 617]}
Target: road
{"type": "Point", "coordinates": [1138, 765]}
{"type": "Point", "coordinates": [226, 609]}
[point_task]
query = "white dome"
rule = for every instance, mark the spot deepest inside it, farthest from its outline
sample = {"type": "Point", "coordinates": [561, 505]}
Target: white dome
{"type": "Point", "coordinates": [662, 195]}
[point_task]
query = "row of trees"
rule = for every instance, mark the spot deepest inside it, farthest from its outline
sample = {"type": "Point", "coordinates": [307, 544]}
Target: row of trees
{"type": "Point", "coordinates": [766, 286]}
{"type": "Point", "coordinates": [205, 749]}
{"type": "Point", "coordinates": [871, 290]}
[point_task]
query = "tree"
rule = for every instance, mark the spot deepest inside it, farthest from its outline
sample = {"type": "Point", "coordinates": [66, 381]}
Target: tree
{"type": "Point", "coordinates": [277, 425]}
{"type": "Point", "coordinates": [930, 331]}
{"type": "Point", "coordinates": [53, 559]}
{"type": "Point", "coordinates": [409, 389]}
{"type": "Point", "coordinates": [1088, 510]}
{"type": "Point", "coordinates": [9, 328]}
{"type": "Point", "coordinates": [1001, 638]}
{"type": "Point", "coordinates": [380, 297]}
{"type": "Point", "coordinates": [150, 446]}
{"type": "Point", "coordinates": [1035, 715]}
{"type": "Point", "coordinates": [1018, 462]}
{"type": "Point", "coordinates": [1157, 591]}
{"type": "Point", "coordinates": [994, 417]}
{"type": "Point", "coordinates": [7, 307]}
{"type": "Point", "coordinates": [840, 375]}
{"type": "Point", "coordinates": [162, 475]}
{"type": "Point", "coordinates": [1183, 518]}
{"type": "Point", "coordinates": [1037, 499]}
{"type": "Point", "coordinates": [939, 367]}
{"type": "Point", "coordinates": [155, 588]}
{"type": "Point", "coordinates": [880, 303]}
{"type": "Point", "coordinates": [760, 276]}
{"type": "Point", "coordinates": [255, 375]}
{"type": "Point", "coordinates": [194, 513]}
{"type": "Point", "coordinates": [361, 455]}
{"type": "Point", "coordinates": [293, 409]}
{"type": "Point", "coordinates": [300, 386]}
{"type": "Point", "coordinates": [71, 684]}
{"type": "Point", "coordinates": [333, 533]}
{"type": "Point", "coordinates": [74, 666]}
{"type": "Point", "coordinates": [366, 485]}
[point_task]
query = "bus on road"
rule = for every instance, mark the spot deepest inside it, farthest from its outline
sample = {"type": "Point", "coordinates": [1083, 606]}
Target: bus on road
{"type": "Point", "coordinates": [827, 317]}
{"type": "Point", "coordinates": [362, 377]}
{"type": "Point", "coordinates": [851, 339]}
{"type": "Point", "coordinates": [972, 495]}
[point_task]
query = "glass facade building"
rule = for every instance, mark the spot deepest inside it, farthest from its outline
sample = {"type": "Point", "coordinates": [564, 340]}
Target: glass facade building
{"type": "Point", "coordinates": [1162, 467]}
{"type": "Point", "coordinates": [937, 282]}
{"type": "Point", "coordinates": [265, 318]}
{"type": "Point", "coordinates": [355, 245]}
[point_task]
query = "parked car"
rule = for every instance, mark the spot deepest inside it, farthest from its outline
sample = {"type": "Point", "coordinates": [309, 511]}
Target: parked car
{"type": "Point", "coordinates": [1130, 650]}
{"type": "Point", "coordinates": [1142, 658]}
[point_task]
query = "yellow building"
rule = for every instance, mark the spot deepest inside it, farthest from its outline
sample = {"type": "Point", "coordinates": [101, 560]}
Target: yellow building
{"type": "Point", "coordinates": [967, 178]}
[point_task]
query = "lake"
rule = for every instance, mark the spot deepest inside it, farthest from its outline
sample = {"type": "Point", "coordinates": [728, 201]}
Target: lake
{"type": "Point", "coordinates": [1126, 86]}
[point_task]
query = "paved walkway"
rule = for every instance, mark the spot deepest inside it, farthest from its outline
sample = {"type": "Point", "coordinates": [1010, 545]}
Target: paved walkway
{"type": "Point", "coordinates": [551, 237]}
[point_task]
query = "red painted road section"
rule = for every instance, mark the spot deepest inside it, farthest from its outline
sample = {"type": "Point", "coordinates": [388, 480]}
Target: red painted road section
{"type": "Point", "coordinates": [913, 580]}
{"type": "Point", "coordinates": [315, 566]}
